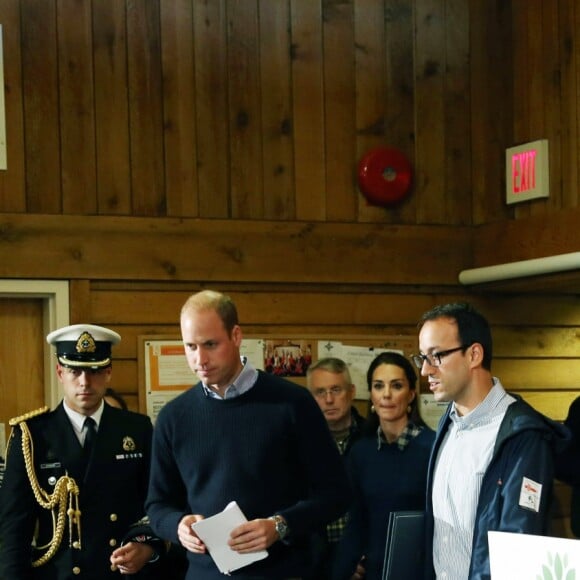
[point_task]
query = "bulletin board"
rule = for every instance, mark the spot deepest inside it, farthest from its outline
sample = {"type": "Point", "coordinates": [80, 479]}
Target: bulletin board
{"type": "Point", "coordinates": [164, 373]}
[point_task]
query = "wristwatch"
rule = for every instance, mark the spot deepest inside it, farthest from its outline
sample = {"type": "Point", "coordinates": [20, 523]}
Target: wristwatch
{"type": "Point", "coordinates": [281, 525]}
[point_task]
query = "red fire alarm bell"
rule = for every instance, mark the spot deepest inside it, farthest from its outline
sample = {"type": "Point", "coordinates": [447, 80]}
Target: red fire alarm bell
{"type": "Point", "coordinates": [384, 176]}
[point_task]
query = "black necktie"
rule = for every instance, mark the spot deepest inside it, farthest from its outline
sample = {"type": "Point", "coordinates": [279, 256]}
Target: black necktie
{"type": "Point", "coordinates": [90, 435]}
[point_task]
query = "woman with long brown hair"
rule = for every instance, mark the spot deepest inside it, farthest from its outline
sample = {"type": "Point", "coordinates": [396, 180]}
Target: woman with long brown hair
{"type": "Point", "coordinates": [388, 466]}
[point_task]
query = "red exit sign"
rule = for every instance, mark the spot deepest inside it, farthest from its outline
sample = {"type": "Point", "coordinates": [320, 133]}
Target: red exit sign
{"type": "Point", "coordinates": [527, 171]}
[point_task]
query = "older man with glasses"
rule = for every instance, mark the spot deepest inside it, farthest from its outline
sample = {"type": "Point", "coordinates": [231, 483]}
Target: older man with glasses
{"type": "Point", "coordinates": [492, 463]}
{"type": "Point", "coordinates": [330, 383]}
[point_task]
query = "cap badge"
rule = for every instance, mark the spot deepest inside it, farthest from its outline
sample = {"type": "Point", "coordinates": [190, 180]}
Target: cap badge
{"type": "Point", "coordinates": [129, 444]}
{"type": "Point", "coordinates": [86, 343]}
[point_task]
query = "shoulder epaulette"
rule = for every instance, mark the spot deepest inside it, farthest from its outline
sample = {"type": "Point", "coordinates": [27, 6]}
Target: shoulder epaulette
{"type": "Point", "coordinates": [29, 415]}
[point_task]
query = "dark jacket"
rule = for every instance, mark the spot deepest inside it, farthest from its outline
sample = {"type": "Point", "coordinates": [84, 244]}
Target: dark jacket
{"type": "Point", "coordinates": [524, 447]}
{"type": "Point", "coordinates": [355, 430]}
{"type": "Point", "coordinates": [568, 464]}
{"type": "Point", "coordinates": [324, 550]}
{"type": "Point", "coordinates": [112, 492]}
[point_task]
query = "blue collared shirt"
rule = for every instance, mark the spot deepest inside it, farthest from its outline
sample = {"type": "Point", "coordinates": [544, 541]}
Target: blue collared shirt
{"type": "Point", "coordinates": [462, 461]}
{"type": "Point", "coordinates": [241, 384]}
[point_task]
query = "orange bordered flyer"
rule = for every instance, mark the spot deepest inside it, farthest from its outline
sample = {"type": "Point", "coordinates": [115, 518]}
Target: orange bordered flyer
{"type": "Point", "coordinates": [167, 373]}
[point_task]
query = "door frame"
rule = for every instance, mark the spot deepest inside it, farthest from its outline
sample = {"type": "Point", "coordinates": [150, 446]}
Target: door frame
{"type": "Point", "coordinates": [55, 314]}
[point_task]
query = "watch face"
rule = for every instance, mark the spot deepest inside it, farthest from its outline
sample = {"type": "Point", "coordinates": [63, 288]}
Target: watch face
{"type": "Point", "coordinates": [281, 527]}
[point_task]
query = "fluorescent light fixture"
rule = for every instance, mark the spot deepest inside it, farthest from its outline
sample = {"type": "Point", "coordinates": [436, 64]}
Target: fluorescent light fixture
{"type": "Point", "coordinates": [523, 269]}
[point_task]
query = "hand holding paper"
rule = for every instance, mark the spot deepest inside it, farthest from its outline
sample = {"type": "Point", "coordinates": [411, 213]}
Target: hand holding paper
{"type": "Point", "coordinates": [215, 533]}
{"type": "Point", "coordinates": [187, 537]}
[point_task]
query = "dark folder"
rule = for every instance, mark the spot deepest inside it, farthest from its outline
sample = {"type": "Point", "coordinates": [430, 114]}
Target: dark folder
{"type": "Point", "coordinates": [404, 552]}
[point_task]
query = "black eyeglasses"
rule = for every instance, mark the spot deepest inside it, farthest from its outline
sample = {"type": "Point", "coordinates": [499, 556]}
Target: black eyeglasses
{"type": "Point", "coordinates": [434, 359]}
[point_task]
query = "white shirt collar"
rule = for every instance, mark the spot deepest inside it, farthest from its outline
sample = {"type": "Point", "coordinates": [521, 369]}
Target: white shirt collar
{"type": "Point", "coordinates": [78, 420]}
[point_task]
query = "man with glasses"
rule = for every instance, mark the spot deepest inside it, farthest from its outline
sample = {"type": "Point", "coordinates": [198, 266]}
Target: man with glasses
{"type": "Point", "coordinates": [76, 478]}
{"type": "Point", "coordinates": [492, 464]}
{"type": "Point", "coordinates": [329, 381]}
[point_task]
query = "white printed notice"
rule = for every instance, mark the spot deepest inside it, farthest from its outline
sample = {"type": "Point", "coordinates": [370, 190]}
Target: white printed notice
{"type": "Point", "coordinates": [358, 359]}
{"type": "Point", "coordinates": [431, 410]}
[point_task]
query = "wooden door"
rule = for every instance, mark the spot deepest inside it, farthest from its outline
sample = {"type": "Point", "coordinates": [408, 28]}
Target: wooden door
{"type": "Point", "coordinates": [21, 357]}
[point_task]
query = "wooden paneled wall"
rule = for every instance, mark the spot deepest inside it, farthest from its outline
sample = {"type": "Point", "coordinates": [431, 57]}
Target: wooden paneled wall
{"type": "Point", "coordinates": [157, 147]}
{"type": "Point", "coordinates": [196, 143]}
{"type": "Point", "coordinates": [251, 109]}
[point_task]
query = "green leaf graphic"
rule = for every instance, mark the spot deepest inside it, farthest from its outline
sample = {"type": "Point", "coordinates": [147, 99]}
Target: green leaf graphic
{"type": "Point", "coordinates": [558, 567]}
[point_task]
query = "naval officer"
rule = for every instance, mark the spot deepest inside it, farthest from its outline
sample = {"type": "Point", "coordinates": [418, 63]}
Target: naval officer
{"type": "Point", "coordinates": [76, 477]}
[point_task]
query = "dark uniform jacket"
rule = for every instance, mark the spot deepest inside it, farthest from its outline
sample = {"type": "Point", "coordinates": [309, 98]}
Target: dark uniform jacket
{"type": "Point", "coordinates": [568, 464]}
{"type": "Point", "coordinates": [112, 486]}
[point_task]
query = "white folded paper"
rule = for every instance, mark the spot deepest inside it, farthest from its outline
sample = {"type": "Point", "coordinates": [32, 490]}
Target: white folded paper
{"type": "Point", "coordinates": [215, 532]}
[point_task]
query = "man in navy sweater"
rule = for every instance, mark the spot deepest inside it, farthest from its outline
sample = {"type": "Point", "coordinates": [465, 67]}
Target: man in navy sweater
{"type": "Point", "coordinates": [242, 435]}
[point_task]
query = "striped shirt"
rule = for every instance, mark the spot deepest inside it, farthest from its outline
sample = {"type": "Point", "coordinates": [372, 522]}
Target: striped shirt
{"type": "Point", "coordinates": [464, 456]}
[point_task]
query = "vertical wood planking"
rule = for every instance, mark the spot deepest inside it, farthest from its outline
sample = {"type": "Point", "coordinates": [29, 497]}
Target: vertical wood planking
{"type": "Point", "coordinates": [145, 108]}
{"type": "Point", "coordinates": [186, 147]}
{"type": "Point", "coordinates": [552, 83]}
{"type": "Point", "coordinates": [308, 109]}
{"type": "Point", "coordinates": [339, 107]}
{"type": "Point", "coordinates": [12, 181]}
{"type": "Point", "coordinates": [111, 108]}
{"type": "Point", "coordinates": [429, 111]}
{"type": "Point", "coordinates": [479, 128]}
{"type": "Point", "coordinates": [521, 105]}
{"type": "Point", "coordinates": [537, 76]}
{"type": "Point", "coordinates": [370, 68]}
{"type": "Point", "coordinates": [491, 128]}
{"type": "Point", "coordinates": [457, 106]}
{"type": "Point", "coordinates": [76, 106]}
{"type": "Point", "coordinates": [177, 62]}
{"type": "Point", "coordinates": [569, 102]}
{"type": "Point", "coordinates": [246, 158]}
{"type": "Point", "coordinates": [523, 63]}
{"type": "Point", "coordinates": [211, 93]}
{"type": "Point", "coordinates": [400, 97]}
{"type": "Point", "coordinates": [535, 71]}
{"type": "Point", "coordinates": [40, 95]}
{"type": "Point", "coordinates": [278, 155]}
{"type": "Point", "coordinates": [277, 138]}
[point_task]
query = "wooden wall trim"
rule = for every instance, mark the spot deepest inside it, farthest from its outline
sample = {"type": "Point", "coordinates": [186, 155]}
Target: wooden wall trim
{"type": "Point", "coordinates": [525, 239]}
{"type": "Point", "coordinates": [127, 248]}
